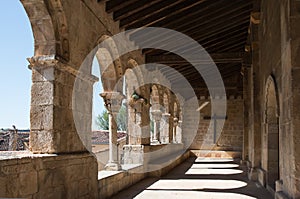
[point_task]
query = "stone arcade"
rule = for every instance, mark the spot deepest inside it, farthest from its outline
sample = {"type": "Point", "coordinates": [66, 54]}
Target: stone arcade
{"type": "Point", "coordinates": [254, 43]}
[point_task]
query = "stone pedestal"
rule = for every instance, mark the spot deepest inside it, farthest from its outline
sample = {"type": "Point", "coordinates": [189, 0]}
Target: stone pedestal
{"type": "Point", "coordinates": [112, 102]}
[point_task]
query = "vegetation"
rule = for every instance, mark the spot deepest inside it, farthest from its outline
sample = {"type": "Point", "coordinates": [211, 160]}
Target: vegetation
{"type": "Point", "coordinates": [102, 120]}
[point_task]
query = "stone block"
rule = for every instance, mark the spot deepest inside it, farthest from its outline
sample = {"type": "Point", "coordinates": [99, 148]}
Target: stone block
{"type": "Point", "coordinates": [42, 93]}
{"type": "Point", "coordinates": [28, 183]}
{"type": "Point", "coordinates": [3, 183]}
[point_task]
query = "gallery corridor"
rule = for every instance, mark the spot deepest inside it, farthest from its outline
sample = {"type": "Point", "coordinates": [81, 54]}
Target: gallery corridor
{"type": "Point", "coordinates": [199, 178]}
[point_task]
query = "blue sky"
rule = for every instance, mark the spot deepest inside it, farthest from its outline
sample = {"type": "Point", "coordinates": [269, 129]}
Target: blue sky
{"type": "Point", "coordinates": [16, 45]}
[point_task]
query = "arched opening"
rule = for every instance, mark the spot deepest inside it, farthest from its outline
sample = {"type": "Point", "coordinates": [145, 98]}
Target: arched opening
{"type": "Point", "coordinates": [110, 116]}
{"type": "Point", "coordinates": [271, 137]}
{"type": "Point", "coordinates": [15, 82]}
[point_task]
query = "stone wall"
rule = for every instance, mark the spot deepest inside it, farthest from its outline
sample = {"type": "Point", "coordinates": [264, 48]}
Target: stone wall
{"type": "Point", "coordinates": [24, 175]}
{"type": "Point", "coordinates": [277, 45]}
{"type": "Point", "coordinates": [231, 137]}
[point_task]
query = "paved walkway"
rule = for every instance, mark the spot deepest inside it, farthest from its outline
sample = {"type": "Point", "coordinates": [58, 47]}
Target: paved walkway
{"type": "Point", "coordinates": [199, 178]}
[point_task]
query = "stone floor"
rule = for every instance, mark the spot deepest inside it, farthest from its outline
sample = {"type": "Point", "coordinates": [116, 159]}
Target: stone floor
{"type": "Point", "coordinates": [199, 178]}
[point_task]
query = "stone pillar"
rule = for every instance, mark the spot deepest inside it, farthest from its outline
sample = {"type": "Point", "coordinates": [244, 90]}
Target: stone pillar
{"type": "Point", "coordinates": [246, 83]}
{"type": "Point", "coordinates": [113, 102]}
{"type": "Point", "coordinates": [52, 119]}
{"type": "Point", "coordinates": [255, 110]}
{"type": "Point", "coordinates": [179, 132]}
{"type": "Point", "coordinates": [175, 124]}
{"type": "Point", "coordinates": [165, 128]}
{"type": "Point", "coordinates": [156, 115]}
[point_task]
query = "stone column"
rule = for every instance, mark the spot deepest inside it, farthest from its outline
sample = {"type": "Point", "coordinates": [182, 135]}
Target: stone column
{"type": "Point", "coordinates": [113, 102]}
{"type": "Point", "coordinates": [165, 128]}
{"type": "Point", "coordinates": [175, 124]}
{"type": "Point", "coordinates": [156, 115]}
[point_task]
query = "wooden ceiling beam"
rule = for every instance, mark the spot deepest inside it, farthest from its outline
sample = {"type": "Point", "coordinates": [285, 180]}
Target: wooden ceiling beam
{"type": "Point", "coordinates": [219, 27]}
{"type": "Point", "coordinates": [133, 9]}
{"type": "Point", "coordinates": [148, 13]}
{"type": "Point", "coordinates": [115, 5]}
{"type": "Point", "coordinates": [189, 19]}
{"type": "Point", "coordinates": [193, 13]}
{"type": "Point", "coordinates": [232, 44]}
{"type": "Point", "coordinates": [231, 14]}
{"type": "Point", "coordinates": [169, 12]}
{"type": "Point", "coordinates": [217, 58]}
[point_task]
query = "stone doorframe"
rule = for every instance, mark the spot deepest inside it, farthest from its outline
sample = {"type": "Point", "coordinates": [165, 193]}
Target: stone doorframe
{"type": "Point", "coordinates": [270, 136]}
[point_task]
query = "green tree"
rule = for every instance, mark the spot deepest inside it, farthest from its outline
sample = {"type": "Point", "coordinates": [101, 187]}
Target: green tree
{"type": "Point", "coordinates": [102, 120]}
{"type": "Point", "coordinates": [122, 119]}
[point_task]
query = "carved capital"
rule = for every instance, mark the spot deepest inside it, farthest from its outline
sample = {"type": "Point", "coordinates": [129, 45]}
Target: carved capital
{"type": "Point", "coordinates": [139, 105]}
{"type": "Point", "coordinates": [179, 123]}
{"type": "Point", "coordinates": [42, 62]}
{"type": "Point", "coordinates": [51, 61]}
{"type": "Point", "coordinates": [112, 101]}
{"type": "Point", "coordinates": [175, 120]}
{"type": "Point", "coordinates": [166, 116]}
{"type": "Point", "coordinates": [156, 115]}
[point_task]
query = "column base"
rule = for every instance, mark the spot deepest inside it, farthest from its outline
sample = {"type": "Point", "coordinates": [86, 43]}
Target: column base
{"type": "Point", "coordinates": [155, 142]}
{"type": "Point", "coordinates": [112, 166]}
{"type": "Point", "coordinates": [252, 174]}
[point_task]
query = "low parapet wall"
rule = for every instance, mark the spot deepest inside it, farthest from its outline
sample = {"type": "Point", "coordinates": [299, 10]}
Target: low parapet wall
{"type": "Point", "coordinates": [27, 175]}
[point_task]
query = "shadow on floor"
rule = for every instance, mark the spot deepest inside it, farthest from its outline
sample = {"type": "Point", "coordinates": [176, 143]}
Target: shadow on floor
{"type": "Point", "coordinates": [199, 178]}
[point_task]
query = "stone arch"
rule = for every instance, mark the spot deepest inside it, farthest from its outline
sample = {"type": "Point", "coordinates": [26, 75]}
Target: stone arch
{"type": "Point", "coordinates": [108, 43]}
{"type": "Point", "coordinates": [270, 146]}
{"type": "Point", "coordinates": [49, 26]}
{"type": "Point", "coordinates": [139, 81]}
{"type": "Point", "coordinates": [107, 69]}
{"type": "Point", "coordinates": [138, 113]}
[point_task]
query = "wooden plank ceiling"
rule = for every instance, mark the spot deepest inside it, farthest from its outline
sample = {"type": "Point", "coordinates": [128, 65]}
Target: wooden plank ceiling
{"type": "Point", "coordinates": [220, 26]}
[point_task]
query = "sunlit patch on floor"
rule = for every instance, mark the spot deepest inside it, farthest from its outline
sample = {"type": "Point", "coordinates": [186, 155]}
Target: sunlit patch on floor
{"type": "Point", "coordinates": [208, 166]}
{"type": "Point", "coordinates": [214, 160]}
{"type": "Point", "coordinates": [196, 184]}
{"type": "Point", "coordinates": [213, 171]}
{"type": "Point", "coordinates": [163, 194]}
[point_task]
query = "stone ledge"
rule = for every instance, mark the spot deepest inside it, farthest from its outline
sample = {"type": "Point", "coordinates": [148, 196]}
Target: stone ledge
{"type": "Point", "coordinates": [111, 182]}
